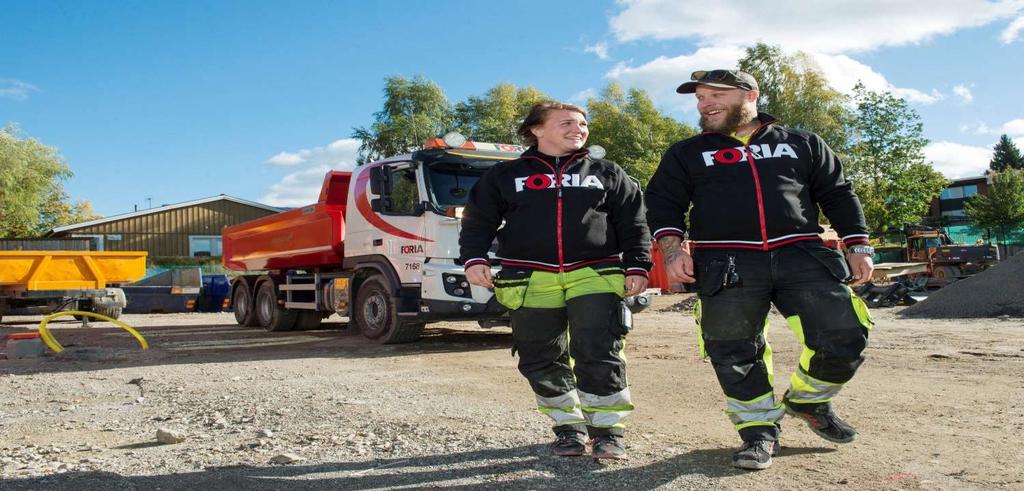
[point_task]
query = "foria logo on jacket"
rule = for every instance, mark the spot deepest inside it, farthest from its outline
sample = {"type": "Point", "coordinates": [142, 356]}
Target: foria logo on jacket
{"type": "Point", "coordinates": [547, 181]}
{"type": "Point", "coordinates": [737, 154]}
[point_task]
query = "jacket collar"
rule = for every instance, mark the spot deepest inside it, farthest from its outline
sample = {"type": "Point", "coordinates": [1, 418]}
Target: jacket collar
{"type": "Point", "coordinates": [532, 153]}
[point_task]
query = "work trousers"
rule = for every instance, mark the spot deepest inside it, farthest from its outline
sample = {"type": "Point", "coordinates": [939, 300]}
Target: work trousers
{"type": "Point", "coordinates": [806, 282]}
{"type": "Point", "coordinates": [568, 329]}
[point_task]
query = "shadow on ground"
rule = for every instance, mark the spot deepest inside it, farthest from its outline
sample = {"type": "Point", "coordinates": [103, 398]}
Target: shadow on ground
{"type": "Point", "coordinates": [104, 346]}
{"type": "Point", "coordinates": [526, 467]}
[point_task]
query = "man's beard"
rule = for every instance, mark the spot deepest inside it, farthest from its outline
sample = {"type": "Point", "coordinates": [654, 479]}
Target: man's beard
{"type": "Point", "coordinates": [735, 117]}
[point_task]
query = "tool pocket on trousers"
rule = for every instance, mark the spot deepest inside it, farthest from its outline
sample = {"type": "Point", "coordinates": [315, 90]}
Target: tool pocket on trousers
{"type": "Point", "coordinates": [711, 276]}
{"type": "Point", "coordinates": [510, 288]}
{"type": "Point", "coordinates": [832, 259]}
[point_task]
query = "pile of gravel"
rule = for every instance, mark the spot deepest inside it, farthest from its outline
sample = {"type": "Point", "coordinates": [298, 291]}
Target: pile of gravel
{"type": "Point", "coordinates": [997, 291]}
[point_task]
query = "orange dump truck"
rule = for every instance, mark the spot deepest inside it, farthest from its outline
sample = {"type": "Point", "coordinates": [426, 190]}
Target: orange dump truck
{"type": "Point", "coordinates": [56, 280]}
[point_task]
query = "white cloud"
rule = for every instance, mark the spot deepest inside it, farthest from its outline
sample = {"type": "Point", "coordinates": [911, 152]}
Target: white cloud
{"type": "Point", "coordinates": [599, 49]}
{"type": "Point", "coordinates": [829, 31]}
{"type": "Point", "coordinates": [15, 89]}
{"type": "Point", "coordinates": [297, 189]}
{"type": "Point", "coordinates": [824, 27]}
{"type": "Point", "coordinates": [964, 93]}
{"type": "Point", "coordinates": [338, 153]}
{"type": "Point", "coordinates": [978, 128]}
{"type": "Point", "coordinates": [661, 76]}
{"type": "Point", "coordinates": [955, 160]}
{"type": "Point", "coordinates": [302, 187]}
{"type": "Point", "coordinates": [583, 95]}
{"type": "Point", "coordinates": [1013, 128]}
{"type": "Point", "coordinates": [843, 73]}
{"type": "Point", "coordinates": [1009, 34]}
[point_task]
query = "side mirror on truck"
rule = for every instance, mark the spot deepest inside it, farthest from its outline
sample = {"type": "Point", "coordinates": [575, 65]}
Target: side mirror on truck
{"type": "Point", "coordinates": [380, 181]}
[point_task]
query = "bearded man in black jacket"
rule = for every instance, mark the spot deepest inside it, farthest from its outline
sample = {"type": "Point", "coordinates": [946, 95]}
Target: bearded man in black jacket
{"type": "Point", "coordinates": [752, 189]}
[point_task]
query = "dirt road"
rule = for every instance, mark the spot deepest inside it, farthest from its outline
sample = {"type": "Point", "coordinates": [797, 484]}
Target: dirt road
{"type": "Point", "coordinates": [939, 404]}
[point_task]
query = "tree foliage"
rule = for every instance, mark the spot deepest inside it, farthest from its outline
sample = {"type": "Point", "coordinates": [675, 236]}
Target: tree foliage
{"type": "Point", "coordinates": [794, 90]}
{"type": "Point", "coordinates": [414, 110]}
{"type": "Point", "coordinates": [1002, 209]}
{"type": "Point", "coordinates": [886, 161]}
{"type": "Point", "coordinates": [32, 200]}
{"type": "Point", "coordinates": [495, 116]}
{"type": "Point", "coordinates": [1006, 155]}
{"type": "Point", "coordinates": [632, 130]}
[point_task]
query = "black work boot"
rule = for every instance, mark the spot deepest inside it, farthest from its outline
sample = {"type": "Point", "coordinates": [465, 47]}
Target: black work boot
{"type": "Point", "coordinates": [607, 447]}
{"type": "Point", "coordinates": [755, 455]}
{"type": "Point", "coordinates": [822, 421]}
{"type": "Point", "coordinates": [569, 443]}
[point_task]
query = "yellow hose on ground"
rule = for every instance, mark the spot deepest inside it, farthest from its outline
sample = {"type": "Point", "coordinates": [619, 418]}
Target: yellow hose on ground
{"type": "Point", "coordinates": [57, 348]}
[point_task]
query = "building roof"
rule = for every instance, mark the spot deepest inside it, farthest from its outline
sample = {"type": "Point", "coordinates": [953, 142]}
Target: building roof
{"type": "Point", "coordinates": [163, 208]}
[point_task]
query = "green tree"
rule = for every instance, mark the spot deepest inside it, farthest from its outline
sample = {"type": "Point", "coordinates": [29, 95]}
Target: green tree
{"type": "Point", "coordinates": [1006, 155]}
{"type": "Point", "coordinates": [58, 210]}
{"type": "Point", "coordinates": [632, 130]}
{"type": "Point", "coordinates": [1002, 209]}
{"type": "Point", "coordinates": [30, 187]}
{"type": "Point", "coordinates": [794, 90]}
{"type": "Point", "coordinates": [886, 162]}
{"type": "Point", "coordinates": [496, 116]}
{"type": "Point", "coordinates": [414, 110]}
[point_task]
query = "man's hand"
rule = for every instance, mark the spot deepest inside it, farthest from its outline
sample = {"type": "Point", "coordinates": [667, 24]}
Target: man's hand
{"type": "Point", "coordinates": [678, 262]}
{"type": "Point", "coordinates": [635, 285]}
{"type": "Point", "coordinates": [480, 275]}
{"type": "Point", "coordinates": [861, 266]}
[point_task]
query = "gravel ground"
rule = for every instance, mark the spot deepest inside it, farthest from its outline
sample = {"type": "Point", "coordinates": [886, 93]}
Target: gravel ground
{"type": "Point", "coordinates": [327, 409]}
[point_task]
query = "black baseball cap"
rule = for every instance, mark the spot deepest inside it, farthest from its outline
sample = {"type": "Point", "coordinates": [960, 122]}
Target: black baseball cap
{"type": "Point", "coordinates": [725, 79]}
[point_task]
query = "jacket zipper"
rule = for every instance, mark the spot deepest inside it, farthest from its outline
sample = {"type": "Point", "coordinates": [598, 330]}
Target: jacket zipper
{"type": "Point", "coordinates": [557, 169]}
{"type": "Point", "coordinates": [757, 184]}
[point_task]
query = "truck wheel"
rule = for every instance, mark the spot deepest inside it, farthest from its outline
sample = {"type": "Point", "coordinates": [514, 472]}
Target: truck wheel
{"type": "Point", "coordinates": [308, 321]}
{"type": "Point", "coordinates": [377, 317]}
{"type": "Point", "coordinates": [112, 312]}
{"type": "Point", "coordinates": [270, 315]}
{"type": "Point", "coordinates": [946, 274]}
{"type": "Point", "coordinates": [242, 304]}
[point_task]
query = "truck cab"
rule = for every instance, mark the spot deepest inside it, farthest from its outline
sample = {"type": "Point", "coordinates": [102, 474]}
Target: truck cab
{"type": "Point", "coordinates": [380, 248]}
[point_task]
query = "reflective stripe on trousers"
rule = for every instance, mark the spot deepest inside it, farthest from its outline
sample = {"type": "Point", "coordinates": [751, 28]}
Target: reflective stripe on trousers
{"type": "Point", "coordinates": [564, 409]}
{"type": "Point", "coordinates": [761, 411]}
{"type": "Point", "coordinates": [606, 411]}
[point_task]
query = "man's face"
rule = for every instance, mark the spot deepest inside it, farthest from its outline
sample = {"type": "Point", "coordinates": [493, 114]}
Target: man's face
{"type": "Point", "coordinates": [563, 132]}
{"type": "Point", "coordinates": [725, 110]}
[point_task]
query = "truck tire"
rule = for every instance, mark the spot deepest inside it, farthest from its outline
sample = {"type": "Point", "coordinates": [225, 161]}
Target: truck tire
{"type": "Point", "coordinates": [377, 316]}
{"type": "Point", "coordinates": [308, 320]}
{"type": "Point", "coordinates": [946, 274]}
{"type": "Point", "coordinates": [271, 315]}
{"type": "Point", "coordinates": [112, 312]}
{"type": "Point", "coordinates": [243, 304]}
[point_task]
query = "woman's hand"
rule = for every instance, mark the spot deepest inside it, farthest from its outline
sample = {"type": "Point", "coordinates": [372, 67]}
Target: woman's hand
{"type": "Point", "coordinates": [635, 285]}
{"type": "Point", "coordinates": [480, 275]}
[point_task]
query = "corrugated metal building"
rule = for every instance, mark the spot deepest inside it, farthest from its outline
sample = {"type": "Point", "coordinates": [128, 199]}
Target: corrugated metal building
{"type": "Point", "coordinates": [189, 229]}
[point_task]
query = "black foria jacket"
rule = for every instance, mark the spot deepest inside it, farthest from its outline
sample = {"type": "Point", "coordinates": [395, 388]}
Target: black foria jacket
{"type": "Point", "coordinates": [760, 195]}
{"type": "Point", "coordinates": [560, 213]}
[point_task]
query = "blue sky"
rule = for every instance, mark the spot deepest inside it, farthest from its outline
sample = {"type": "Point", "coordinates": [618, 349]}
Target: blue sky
{"type": "Point", "coordinates": [162, 102]}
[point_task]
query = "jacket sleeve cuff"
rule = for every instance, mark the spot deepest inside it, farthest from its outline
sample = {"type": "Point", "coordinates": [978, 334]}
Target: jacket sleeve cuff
{"type": "Point", "coordinates": [636, 271]}
{"type": "Point", "coordinates": [854, 239]}
{"type": "Point", "coordinates": [669, 231]}
{"type": "Point", "coordinates": [475, 262]}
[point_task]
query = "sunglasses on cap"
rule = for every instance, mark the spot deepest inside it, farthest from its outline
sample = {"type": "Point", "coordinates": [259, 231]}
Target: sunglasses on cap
{"type": "Point", "coordinates": [728, 77]}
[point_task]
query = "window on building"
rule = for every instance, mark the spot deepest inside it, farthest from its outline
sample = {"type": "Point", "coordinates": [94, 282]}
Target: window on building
{"type": "Point", "coordinates": [970, 190]}
{"type": "Point", "coordinates": [204, 245]}
{"type": "Point", "coordinates": [954, 213]}
{"type": "Point", "coordinates": [952, 193]}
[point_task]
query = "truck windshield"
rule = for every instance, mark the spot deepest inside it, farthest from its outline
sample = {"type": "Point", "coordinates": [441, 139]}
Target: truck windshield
{"type": "Point", "coordinates": [450, 184]}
